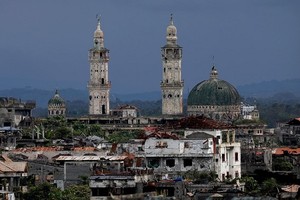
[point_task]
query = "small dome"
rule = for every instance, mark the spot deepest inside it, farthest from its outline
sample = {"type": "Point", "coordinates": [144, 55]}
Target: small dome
{"type": "Point", "coordinates": [171, 31]}
{"type": "Point", "coordinates": [213, 92]}
{"type": "Point", "coordinates": [56, 100]}
{"type": "Point", "coordinates": [98, 32]}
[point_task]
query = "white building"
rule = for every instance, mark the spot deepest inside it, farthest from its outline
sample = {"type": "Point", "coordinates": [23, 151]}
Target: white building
{"type": "Point", "coordinates": [202, 149]}
{"type": "Point", "coordinates": [249, 112]}
{"type": "Point", "coordinates": [125, 111]}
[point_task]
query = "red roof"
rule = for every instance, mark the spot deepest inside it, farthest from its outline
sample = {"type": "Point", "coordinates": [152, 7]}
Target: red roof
{"type": "Point", "coordinates": [295, 121]}
{"type": "Point", "coordinates": [288, 150]}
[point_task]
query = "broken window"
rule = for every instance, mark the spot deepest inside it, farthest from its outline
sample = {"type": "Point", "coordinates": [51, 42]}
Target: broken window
{"type": "Point", "coordinates": [187, 145]}
{"type": "Point", "coordinates": [170, 162]}
{"type": "Point", "coordinates": [218, 139]}
{"type": "Point", "coordinates": [161, 144]}
{"type": "Point", "coordinates": [187, 162]}
{"type": "Point", "coordinates": [224, 137]}
{"type": "Point", "coordinates": [153, 163]}
{"type": "Point", "coordinates": [223, 157]}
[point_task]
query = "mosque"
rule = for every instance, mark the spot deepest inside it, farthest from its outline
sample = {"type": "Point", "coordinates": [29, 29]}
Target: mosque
{"type": "Point", "coordinates": [213, 98]}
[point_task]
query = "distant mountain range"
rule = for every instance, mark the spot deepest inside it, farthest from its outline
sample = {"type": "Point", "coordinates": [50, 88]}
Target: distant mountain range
{"type": "Point", "coordinates": [267, 89]}
{"type": "Point", "coordinates": [279, 89]}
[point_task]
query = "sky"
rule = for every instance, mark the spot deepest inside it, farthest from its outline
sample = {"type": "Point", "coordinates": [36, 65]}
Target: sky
{"type": "Point", "coordinates": [44, 43]}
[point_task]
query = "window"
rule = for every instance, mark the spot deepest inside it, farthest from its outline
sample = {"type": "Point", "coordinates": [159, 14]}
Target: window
{"type": "Point", "coordinates": [223, 157]}
{"type": "Point", "coordinates": [231, 137]}
{"type": "Point", "coordinates": [161, 144]}
{"type": "Point", "coordinates": [236, 174]}
{"type": "Point", "coordinates": [187, 162]}
{"type": "Point", "coordinates": [228, 176]}
{"type": "Point", "coordinates": [236, 156]}
{"type": "Point", "coordinates": [170, 162]}
{"type": "Point", "coordinates": [218, 139]}
{"type": "Point", "coordinates": [187, 145]}
{"type": "Point", "coordinates": [224, 137]}
{"type": "Point", "coordinates": [153, 163]}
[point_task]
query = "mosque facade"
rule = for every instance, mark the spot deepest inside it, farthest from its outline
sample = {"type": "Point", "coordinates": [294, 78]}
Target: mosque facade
{"type": "Point", "coordinates": [214, 98]}
{"type": "Point", "coordinates": [56, 106]}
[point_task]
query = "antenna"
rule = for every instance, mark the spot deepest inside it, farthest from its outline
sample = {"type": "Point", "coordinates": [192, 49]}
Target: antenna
{"type": "Point", "coordinates": [98, 16]}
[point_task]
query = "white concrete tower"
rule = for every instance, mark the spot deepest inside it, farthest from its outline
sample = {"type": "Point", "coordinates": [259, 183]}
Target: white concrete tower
{"type": "Point", "coordinates": [99, 85]}
{"type": "Point", "coordinates": [171, 84]}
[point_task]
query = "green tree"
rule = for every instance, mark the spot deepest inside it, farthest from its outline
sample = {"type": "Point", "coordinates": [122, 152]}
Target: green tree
{"type": "Point", "coordinates": [95, 129]}
{"type": "Point", "coordinates": [251, 184]}
{"type": "Point", "coordinates": [280, 164]}
{"type": "Point", "coordinates": [76, 192]}
{"type": "Point", "coordinates": [43, 191]}
{"type": "Point", "coordinates": [269, 187]}
{"type": "Point", "coordinates": [62, 132]}
{"type": "Point", "coordinates": [47, 191]}
{"type": "Point", "coordinates": [122, 136]}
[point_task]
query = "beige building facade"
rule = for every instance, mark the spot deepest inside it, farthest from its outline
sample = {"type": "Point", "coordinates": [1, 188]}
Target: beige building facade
{"type": "Point", "coordinates": [171, 84]}
{"type": "Point", "coordinates": [99, 84]}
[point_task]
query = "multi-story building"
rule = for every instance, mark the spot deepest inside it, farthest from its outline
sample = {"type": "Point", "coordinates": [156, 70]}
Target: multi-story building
{"type": "Point", "coordinates": [208, 146]}
{"type": "Point", "coordinates": [14, 111]}
{"type": "Point", "coordinates": [99, 85]}
{"type": "Point", "coordinates": [171, 84]}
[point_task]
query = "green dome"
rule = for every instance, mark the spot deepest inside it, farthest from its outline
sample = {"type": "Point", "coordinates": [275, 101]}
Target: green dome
{"type": "Point", "coordinates": [56, 100]}
{"type": "Point", "coordinates": [213, 92]}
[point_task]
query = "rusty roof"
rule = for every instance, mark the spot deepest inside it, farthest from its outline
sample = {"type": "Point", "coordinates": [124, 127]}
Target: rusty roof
{"type": "Point", "coordinates": [84, 149]}
{"type": "Point", "coordinates": [90, 158]}
{"type": "Point", "coordinates": [198, 122]}
{"type": "Point", "coordinates": [54, 148]}
{"type": "Point", "coordinates": [34, 149]}
{"type": "Point", "coordinates": [164, 135]}
{"type": "Point", "coordinates": [286, 150]}
{"type": "Point", "coordinates": [295, 121]}
{"type": "Point", "coordinates": [11, 167]}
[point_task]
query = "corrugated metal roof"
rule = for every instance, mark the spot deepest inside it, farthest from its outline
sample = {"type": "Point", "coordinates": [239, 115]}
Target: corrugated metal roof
{"type": "Point", "coordinates": [6, 167]}
{"type": "Point", "coordinates": [90, 158]}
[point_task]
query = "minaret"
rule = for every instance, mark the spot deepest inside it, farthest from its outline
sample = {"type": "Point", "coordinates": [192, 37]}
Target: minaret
{"type": "Point", "coordinates": [99, 85]}
{"type": "Point", "coordinates": [171, 84]}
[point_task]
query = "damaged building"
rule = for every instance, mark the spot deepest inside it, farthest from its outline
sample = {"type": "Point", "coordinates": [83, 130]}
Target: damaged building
{"type": "Point", "coordinates": [14, 112]}
{"type": "Point", "coordinates": [207, 145]}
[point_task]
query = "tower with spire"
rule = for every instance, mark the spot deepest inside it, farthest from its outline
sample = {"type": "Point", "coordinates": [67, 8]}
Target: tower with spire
{"type": "Point", "coordinates": [171, 84]}
{"type": "Point", "coordinates": [99, 85]}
